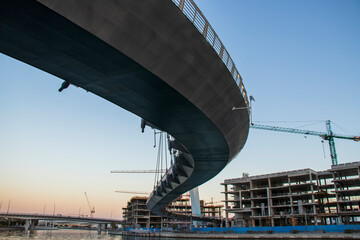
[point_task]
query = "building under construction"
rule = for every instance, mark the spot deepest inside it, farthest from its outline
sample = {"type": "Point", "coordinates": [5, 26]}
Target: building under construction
{"type": "Point", "coordinates": [136, 214]}
{"type": "Point", "coordinates": [300, 197]}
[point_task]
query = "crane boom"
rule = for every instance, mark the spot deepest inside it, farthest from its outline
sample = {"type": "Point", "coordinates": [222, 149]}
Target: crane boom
{"type": "Point", "coordinates": [329, 136]}
{"type": "Point", "coordinates": [323, 135]}
{"type": "Point", "coordinates": [131, 192]}
{"type": "Point", "coordinates": [139, 171]}
{"type": "Point", "coordinates": [92, 210]}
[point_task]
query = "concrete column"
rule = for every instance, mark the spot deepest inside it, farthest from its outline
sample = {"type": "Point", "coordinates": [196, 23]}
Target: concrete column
{"type": "Point", "coordinates": [318, 183]}
{"type": "Point", "coordinates": [312, 194]}
{"type": "Point", "coordinates": [148, 220]}
{"type": "Point", "coordinates": [269, 201]}
{"type": "Point", "coordinates": [27, 225]}
{"type": "Point", "coordinates": [252, 203]}
{"type": "Point", "coordinates": [101, 227]}
{"type": "Point", "coordinates": [290, 195]}
{"type": "Point", "coordinates": [148, 223]}
{"type": "Point", "coordinates": [337, 200]}
{"type": "Point", "coordinates": [271, 209]}
{"type": "Point", "coordinates": [32, 226]}
{"type": "Point", "coordinates": [226, 206]}
{"type": "Point", "coordinates": [195, 204]}
{"type": "Point", "coordinates": [240, 199]}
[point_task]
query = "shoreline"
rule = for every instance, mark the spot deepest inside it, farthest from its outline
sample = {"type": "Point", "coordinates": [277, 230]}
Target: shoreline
{"type": "Point", "coordinates": [303, 235]}
{"type": "Point", "coordinates": [11, 228]}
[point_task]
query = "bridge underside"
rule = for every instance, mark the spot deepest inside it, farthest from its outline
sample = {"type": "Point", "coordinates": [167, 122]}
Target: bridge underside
{"type": "Point", "coordinates": [143, 56]}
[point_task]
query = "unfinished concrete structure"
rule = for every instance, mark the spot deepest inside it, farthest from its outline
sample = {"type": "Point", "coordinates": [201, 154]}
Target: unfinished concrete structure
{"type": "Point", "coordinates": [136, 214]}
{"type": "Point", "coordinates": [300, 197]}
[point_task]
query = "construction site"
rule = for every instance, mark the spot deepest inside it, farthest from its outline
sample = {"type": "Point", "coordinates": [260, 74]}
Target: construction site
{"type": "Point", "coordinates": [137, 215]}
{"type": "Point", "coordinates": [299, 197]}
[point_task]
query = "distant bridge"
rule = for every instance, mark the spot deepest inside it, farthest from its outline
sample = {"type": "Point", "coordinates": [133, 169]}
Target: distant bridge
{"type": "Point", "coordinates": [58, 218]}
{"type": "Point", "coordinates": [31, 218]}
{"type": "Point", "coordinates": [159, 59]}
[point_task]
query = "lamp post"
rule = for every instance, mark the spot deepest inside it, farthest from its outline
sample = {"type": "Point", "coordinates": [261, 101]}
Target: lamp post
{"type": "Point", "coordinates": [239, 108]}
{"type": "Point", "coordinates": [249, 108]}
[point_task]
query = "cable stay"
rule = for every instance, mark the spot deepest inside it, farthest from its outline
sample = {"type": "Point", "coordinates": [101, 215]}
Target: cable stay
{"type": "Point", "coordinates": [323, 147]}
{"type": "Point", "coordinates": [165, 157]}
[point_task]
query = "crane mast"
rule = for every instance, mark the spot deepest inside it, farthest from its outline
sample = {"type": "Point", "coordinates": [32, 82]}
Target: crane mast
{"type": "Point", "coordinates": [328, 136]}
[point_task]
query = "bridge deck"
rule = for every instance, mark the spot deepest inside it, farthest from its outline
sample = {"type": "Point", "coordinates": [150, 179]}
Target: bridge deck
{"type": "Point", "coordinates": [144, 56]}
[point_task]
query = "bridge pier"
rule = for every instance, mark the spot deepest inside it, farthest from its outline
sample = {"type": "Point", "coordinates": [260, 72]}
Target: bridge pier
{"type": "Point", "coordinates": [32, 226]}
{"type": "Point", "coordinates": [101, 227]}
{"type": "Point", "coordinates": [29, 226]}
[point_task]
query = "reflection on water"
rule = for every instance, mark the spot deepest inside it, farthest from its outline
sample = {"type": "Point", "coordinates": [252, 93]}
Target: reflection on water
{"type": "Point", "coordinates": [57, 234]}
{"type": "Point", "coordinates": [69, 235]}
{"type": "Point", "coordinates": [73, 235]}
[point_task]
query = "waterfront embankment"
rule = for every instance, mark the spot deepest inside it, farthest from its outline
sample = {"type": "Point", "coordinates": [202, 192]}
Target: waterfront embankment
{"type": "Point", "coordinates": [307, 235]}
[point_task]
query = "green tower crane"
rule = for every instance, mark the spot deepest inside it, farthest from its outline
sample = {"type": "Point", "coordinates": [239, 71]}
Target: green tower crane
{"type": "Point", "coordinates": [329, 136]}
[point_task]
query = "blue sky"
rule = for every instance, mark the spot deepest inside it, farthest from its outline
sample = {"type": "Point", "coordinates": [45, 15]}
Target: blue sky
{"type": "Point", "coordinates": [299, 59]}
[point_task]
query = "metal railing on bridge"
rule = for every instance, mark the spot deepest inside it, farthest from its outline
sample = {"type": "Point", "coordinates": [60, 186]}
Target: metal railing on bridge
{"type": "Point", "coordinates": [193, 13]}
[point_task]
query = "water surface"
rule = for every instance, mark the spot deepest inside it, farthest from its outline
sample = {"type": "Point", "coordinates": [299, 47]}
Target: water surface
{"type": "Point", "coordinates": [72, 235]}
{"type": "Point", "coordinates": [57, 234]}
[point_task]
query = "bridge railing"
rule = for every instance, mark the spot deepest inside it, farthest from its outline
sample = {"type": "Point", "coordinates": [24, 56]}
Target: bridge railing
{"type": "Point", "coordinates": [193, 13]}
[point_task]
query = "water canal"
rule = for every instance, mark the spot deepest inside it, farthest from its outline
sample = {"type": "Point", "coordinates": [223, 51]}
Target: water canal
{"type": "Point", "coordinates": [87, 235]}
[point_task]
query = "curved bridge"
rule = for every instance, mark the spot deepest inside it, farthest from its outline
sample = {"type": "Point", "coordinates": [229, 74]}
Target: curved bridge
{"type": "Point", "coordinates": [158, 59]}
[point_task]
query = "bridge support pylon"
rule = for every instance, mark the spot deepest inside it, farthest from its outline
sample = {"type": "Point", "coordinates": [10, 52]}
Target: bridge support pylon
{"type": "Point", "coordinates": [195, 204]}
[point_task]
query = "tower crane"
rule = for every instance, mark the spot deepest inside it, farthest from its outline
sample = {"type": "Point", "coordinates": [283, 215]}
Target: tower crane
{"type": "Point", "coordinates": [92, 210]}
{"type": "Point", "coordinates": [328, 136]}
{"type": "Point", "coordinates": [212, 202]}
